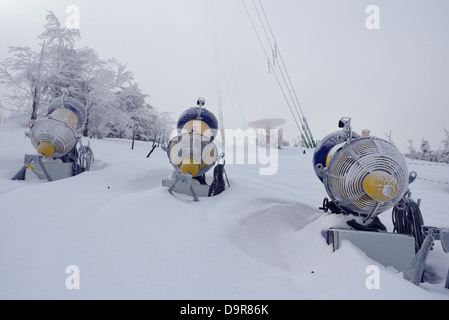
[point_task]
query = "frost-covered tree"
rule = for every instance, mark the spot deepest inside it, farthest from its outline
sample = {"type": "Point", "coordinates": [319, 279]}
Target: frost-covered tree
{"type": "Point", "coordinates": [2, 112]}
{"type": "Point", "coordinates": [128, 101]}
{"type": "Point", "coordinates": [116, 106]}
{"type": "Point", "coordinates": [126, 114]}
{"type": "Point", "coordinates": [100, 101]}
{"type": "Point", "coordinates": [444, 152]}
{"type": "Point", "coordinates": [426, 150]}
{"type": "Point", "coordinates": [298, 142]}
{"type": "Point", "coordinates": [164, 125]}
{"type": "Point", "coordinates": [412, 154]}
{"type": "Point", "coordinates": [427, 154]}
{"type": "Point", "coordinates": [57, 35]}
{"type": "Point", "coordinates": [32, 76]}
{"type": "Point", "coordinates": [20, 74]}
{"type": "Point", "coordinates": [101, 82]}
{"type": "Point", "coordinates": [388, 135]}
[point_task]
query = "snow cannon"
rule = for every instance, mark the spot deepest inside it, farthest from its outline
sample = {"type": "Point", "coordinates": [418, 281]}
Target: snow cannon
{"type": "Point", "coordinates": [193, 152]}
{"type": "Point", "coordinates": [364, 176]}
{"type": "Point", "coordinates": [55, 137]}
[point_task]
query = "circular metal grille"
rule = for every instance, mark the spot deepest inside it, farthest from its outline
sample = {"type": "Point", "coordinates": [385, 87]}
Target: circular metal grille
{"type": "Point", "coordinates": [353, 162]}
{"type": "Point", "coordinates": [195, 146]}
{"type": "Point", "coordinates": [54, 131]}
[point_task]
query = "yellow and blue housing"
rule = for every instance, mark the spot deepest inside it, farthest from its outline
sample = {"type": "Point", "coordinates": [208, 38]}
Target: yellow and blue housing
{"type": "Point", "coordinates": [193, 151]}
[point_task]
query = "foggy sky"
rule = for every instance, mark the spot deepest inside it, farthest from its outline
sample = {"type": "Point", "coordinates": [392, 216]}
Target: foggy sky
{"type": "Point", "coordinates": [394, 78]}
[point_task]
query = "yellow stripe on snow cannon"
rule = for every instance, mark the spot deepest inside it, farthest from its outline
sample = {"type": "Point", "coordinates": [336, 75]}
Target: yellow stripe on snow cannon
{"type": "Point", "coordinates": [192, 153]}
{"type": "Point", "coordinates": [191, 166]}
{"type": "Point", "coordinates": [198, 126]}
{"type": "Point", "coordinates": [380, 186]}
{"type": "Point", "coordinates": [46, 148]}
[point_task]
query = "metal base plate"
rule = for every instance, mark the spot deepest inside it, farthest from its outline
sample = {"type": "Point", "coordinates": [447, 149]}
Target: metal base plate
{"type": "Point", "coordinates": [201, 190]}
{"type": "Point", "coordinates": [44, 170]}
{"type": "Point", "coordinates": [389, 249]}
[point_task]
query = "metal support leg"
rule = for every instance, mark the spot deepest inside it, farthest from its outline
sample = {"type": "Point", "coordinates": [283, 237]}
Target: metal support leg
{"type": "Point", "coordinates": [186, 178]}
{"type": "Point", "coordinates": [31, 161]}
{"type": "Point", "coordinates": [47, 175]}
{"type": "Point", "coordinates": [414, 270]}
{"type": "Point", "coordinates": [21, 174]}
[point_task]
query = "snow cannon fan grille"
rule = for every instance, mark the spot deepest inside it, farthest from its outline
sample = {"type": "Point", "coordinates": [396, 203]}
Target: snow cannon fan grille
{"type": "Point", "coordinates": [64, 118]}
{"type": "Point", "coordinates": [194, 148]}
{"type": "Point", "coordinates": [55, 132]}
{"type": "Point", "coordinates": [366, 174]}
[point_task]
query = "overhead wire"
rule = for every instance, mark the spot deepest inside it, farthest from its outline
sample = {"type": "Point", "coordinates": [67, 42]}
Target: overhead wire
{"type": "Point", "coordinates": [274, 50]}
{"type": "Point", "coordinates": [278, 53]}
{"type": "Point", "coordinates": [287, 82]}
{"type": "Point", "coordinates": [274, 72]}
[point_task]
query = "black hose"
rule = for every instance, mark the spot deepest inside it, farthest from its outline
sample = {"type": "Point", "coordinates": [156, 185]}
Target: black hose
{"type": "Point", "coordinates": [407, 219]}
{"type": "Point", "coordinates": [218, 184]}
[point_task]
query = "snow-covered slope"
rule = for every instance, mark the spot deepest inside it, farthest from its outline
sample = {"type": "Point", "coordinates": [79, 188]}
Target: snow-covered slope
{"type": "Point", "coordinates": [131, 239]}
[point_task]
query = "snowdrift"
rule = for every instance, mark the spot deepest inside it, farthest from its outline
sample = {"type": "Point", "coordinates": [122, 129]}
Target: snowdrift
{"type": "Point", "coordinates": [131, 239]}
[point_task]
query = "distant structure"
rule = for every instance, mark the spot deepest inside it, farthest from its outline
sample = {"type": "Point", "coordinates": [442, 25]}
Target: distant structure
{"type": "Point", "coordinates": [268, 124]}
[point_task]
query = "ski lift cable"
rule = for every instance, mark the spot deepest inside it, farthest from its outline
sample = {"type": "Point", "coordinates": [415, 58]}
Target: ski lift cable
{"type": "Point", "coordinates": [278, 53]}
{"type": "Point", "coordinates": [274, 73]}
{"type": "Point", "coordinates": [273, 48]}
{"type": "Point", "coordinates": [286, 71]}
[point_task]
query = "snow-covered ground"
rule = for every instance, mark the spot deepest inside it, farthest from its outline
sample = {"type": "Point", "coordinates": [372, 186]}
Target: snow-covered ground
{"type": "Point", "coordinates": [131, 239]}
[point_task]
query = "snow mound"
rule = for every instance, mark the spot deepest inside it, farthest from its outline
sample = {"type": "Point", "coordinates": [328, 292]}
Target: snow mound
{"type": "Point", "coordinates": [131, 239]}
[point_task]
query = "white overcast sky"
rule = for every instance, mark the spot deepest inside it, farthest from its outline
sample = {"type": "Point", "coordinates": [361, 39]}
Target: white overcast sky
{"type": "Point", "coordinates": [395, 78]}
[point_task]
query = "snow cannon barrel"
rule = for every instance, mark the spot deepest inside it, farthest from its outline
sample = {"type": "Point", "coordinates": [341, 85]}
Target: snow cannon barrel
{"type": "Point", "coordinates": [363, 175]}
{"type": "Point", "coordinates": [55, 134]}
{"type": "Point", "coordinates": [192, 150]}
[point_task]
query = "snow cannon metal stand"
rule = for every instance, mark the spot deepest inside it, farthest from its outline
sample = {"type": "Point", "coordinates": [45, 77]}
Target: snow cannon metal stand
{"type": "Point", "coordinates": [193, 152]}
{"type": "Point", "coordinates": [365, 176]}
{"type": "Point", "coordinates": [414, 270]}
{"type": "Point", "coordinates": [57, 139]}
